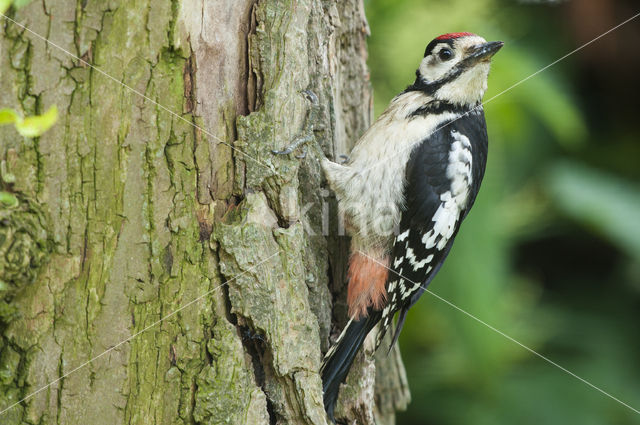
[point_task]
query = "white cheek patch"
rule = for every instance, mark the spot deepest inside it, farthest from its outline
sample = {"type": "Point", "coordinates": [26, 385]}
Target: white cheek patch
{"type": "Point", "coordinates": [468, 88]}
{"type": "Point", "coordinates": [432, 68]}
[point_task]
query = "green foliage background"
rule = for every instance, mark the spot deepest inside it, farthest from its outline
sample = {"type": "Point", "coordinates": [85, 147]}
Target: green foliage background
{"type": "Point", "coordinates": [550, 254]}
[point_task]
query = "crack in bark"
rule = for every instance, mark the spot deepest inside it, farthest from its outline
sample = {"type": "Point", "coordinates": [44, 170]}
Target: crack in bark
{"type": "Point", "coordinates": [188, 76]}
{"type": "Point", "coordinates": [255, 345]}
{"type": "Point", "coordinates": [254, 85]}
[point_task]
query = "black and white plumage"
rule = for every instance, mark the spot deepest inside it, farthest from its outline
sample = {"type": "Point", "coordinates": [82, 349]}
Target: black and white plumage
{"type": "Point", "coordinates": [443, 178]}
{"type": "Point", "coordinates": [416, 170]}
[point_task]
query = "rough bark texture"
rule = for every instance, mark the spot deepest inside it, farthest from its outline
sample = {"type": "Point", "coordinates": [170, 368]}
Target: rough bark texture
{"type": "Point", "coordinates": [127, 213]}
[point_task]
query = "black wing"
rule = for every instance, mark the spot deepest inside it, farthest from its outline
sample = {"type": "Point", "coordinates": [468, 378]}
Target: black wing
{"type": "Point", "coordinates": [422, 244]}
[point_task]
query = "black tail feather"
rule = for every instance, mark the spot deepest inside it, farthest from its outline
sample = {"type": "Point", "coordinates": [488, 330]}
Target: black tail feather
{"type": "Point", "coordinates": [338, 360]}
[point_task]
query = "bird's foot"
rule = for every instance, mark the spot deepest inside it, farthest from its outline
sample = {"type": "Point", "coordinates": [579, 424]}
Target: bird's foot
{"type": "Point", "coordinates": [310, 126]}
{"type": "Point", "coordinates": [297, 142]}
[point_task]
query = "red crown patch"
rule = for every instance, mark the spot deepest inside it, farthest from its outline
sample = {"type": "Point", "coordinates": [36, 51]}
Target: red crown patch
{"type": "Point", "coordinates": [454, 35]}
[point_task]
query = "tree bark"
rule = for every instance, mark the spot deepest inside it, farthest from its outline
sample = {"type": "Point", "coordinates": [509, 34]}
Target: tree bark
{"type": "Point", "coordinates": [157, 236]}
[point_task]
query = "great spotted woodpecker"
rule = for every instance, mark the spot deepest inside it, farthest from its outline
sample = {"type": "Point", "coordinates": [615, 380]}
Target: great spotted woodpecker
{"type": "Point", "coordinates": [416, 170]}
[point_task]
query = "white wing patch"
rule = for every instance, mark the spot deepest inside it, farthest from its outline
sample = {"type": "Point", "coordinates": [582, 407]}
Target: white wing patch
{"type": "Point", "coordinates": [402, 236]}
{"type": "Point", "coordinates": [429, 239]}
{"type": "Point", "coordinates": [455, 199]}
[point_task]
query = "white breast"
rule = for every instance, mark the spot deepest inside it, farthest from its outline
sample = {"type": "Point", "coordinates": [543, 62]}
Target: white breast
{"type": "Point", "coordinates": [369, 188]}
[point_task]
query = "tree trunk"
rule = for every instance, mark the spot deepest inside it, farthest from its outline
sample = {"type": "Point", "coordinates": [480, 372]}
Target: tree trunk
{"type": "Point", "coordinates": [157, 236]}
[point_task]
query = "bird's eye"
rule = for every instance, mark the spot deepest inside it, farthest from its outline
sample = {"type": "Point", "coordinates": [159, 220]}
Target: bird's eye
{"type": "Point", "coordinates": [445, 54]}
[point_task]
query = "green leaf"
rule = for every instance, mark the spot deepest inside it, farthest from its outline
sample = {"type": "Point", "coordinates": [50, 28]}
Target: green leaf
{"type": "Point", "coordinates": [38, 124]}
{"type": "Point", "coordinates": [8, 200]}
{"type": "Point", "coordinates": [8, 116]}
{"type": "Point", "coordinates": [4, 5]}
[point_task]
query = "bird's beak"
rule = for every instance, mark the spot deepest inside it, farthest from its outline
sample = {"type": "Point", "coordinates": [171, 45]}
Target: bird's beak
{"type": "Point", "coordinates": [484, 51]}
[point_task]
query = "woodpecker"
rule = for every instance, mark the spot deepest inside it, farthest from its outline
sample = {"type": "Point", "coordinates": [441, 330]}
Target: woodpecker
{"type": "Point", "coordinates": [417, 170]}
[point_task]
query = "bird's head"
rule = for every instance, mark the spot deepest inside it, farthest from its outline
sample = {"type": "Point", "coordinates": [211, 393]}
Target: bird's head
{"type": "Point", "coordinates": [455, 67]}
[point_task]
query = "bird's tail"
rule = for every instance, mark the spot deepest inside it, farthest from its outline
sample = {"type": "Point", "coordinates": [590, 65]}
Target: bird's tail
{"type": "Point", "coordinates": [339, 358]}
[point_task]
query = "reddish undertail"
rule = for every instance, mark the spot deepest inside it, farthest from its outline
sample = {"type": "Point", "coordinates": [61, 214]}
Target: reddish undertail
{"type": "Point", "coordinates": [367, 284]}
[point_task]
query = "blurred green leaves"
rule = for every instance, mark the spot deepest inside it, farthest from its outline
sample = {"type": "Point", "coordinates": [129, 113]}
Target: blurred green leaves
{"type": "Point", "coordinates": [33, 126]}
{"type": "Point", "coordinates": [541, 99]}
{"type": "Point", "coordinates": [602, 202]}
{"type": "Point", "coordinates": [462, 372]}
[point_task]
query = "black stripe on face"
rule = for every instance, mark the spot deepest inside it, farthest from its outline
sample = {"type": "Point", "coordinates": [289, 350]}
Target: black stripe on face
{"type": "Point", "coordinates": [430, 87]}
{"type": "Point", "coordinates": [439, 107]}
